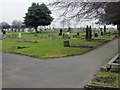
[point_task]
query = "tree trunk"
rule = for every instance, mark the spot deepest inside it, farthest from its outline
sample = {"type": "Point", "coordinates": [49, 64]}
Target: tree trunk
{"type": "Point", "coordinates": [118, 27]}
{"type": "Point", "coordinates": [104, 29]}
{"type": "Point", "coordinates": [36, 29]}
{"type": "Point", "coordinates": [87, 33]}
{"type": "Point", "coordinates": [90, 33]}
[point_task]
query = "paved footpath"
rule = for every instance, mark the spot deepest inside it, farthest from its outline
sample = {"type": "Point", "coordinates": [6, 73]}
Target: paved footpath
{"type": "Point", "coordinates": [68, 72]}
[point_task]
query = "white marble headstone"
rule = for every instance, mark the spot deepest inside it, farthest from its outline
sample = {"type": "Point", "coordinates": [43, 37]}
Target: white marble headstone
{"type": "Point", "coordinates": [68, 33]}
{"type": "Point", "coordinates": [19, 35]}
{"type": "Point", "coordinates": [33, 30]}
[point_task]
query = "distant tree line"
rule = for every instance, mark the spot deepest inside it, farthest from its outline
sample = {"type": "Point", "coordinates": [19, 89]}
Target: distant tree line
{"type": "Point", "coordinates": [16, 25]}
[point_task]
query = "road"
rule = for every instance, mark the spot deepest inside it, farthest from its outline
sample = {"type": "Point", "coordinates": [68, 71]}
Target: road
{"type": "Point", "coordinates": [67, 72]}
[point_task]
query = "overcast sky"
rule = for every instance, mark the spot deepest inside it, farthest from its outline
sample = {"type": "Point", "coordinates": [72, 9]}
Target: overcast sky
{"type": "Point", "coordinates": [15, 10]}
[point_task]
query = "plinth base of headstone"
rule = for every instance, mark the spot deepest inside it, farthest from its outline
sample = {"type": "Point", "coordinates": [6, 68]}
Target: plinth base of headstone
{"type": "Point", "coordinates": [60, 34]}
{"type": "Point", "coordinates": [66, 44]}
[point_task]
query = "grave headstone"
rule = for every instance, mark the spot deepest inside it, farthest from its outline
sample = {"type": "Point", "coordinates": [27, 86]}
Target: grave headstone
{"type": "Point", "coordinates": [96, 35]}
{"type": "Point", "coordinates": [61, 30]}
{"type": "Point", "coordinates": [22, 30]}
{"type": "Point", "coordinates": [15, 30]}
{"type": "Point", "coordinates": [101, 33]}
{"type": "Point", "coordinates": [33, 30]}
{"type": "Point", "coordinates": [88, 33]}
{"type": "Point", "coordinates": [18, 29]}
{"type": "Point", "coordinates": [68, 33]}
{"type": "Point", "coordinates": [69, 29]}
{"type": "Point", "coordinates": [19, 35]}
{"type": "Point", "coordinates": [50, 35]}
{"type": "Point", "coordinates": [78, 34]}
{"type": "Point", "coordinates": [4, 32]}
{"type": "Point", "coordinates": [60, 34]}
{"type": "Point", "coordinates": [26, 31]}
{"type": "Point", "coordinates": [63, 35]}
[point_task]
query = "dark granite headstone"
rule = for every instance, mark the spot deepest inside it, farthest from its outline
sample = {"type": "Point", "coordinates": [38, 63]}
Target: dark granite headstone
{"type": "Point", "coordinates": [63, 35]}
{"type": "Point", "coordinates": [78, 33]}
{"type": "Point", "coordinates": [101, 33]}
{"type": "Point", "coordinates": [96, 35]}
{"type": "Point", "coordinates": [22, 30]}
{"type": "Point", "coordinates": [4, 32]}
{"type": "Point", "coordinates": [61, 30]}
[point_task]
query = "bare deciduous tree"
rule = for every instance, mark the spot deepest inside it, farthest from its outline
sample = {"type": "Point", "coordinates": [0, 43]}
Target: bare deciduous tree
{"type": "Point", "coordinates": [107, 12]}
{"type": "Point", "coordinates": [16, 24]}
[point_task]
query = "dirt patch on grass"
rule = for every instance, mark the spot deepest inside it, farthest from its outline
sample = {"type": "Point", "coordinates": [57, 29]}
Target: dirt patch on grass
{"type": "Point", "coordinates": [28, 41]}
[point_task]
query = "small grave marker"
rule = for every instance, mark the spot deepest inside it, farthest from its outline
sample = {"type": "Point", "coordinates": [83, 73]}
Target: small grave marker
{"type": "Point", "coordinates": [78, 34]}
{"type": "Point", "coordinates": [19, 35]}
{"type": "Point", "coordinates": [96, 35]}
{"type": "Point", "coordinates": [4, 32]}
{"type": "Point", "coordinates": [102, 33]}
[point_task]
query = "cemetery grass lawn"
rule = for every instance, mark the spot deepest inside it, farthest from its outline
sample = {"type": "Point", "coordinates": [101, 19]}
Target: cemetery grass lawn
{"type": "Point", "coordinates": [100, 81]}
{"type": "Point", "coordinates": [46, 48]}
{"type": "Point", "coordinates": [105, 79]}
